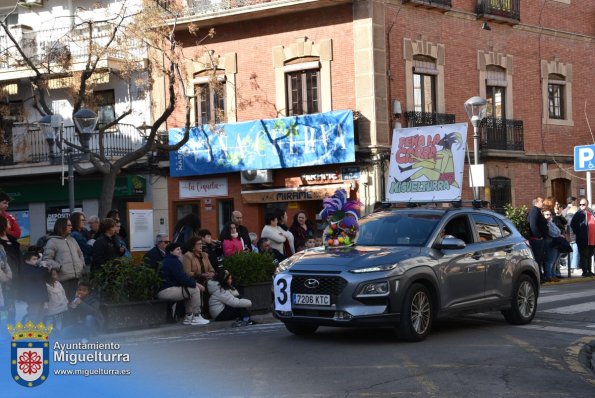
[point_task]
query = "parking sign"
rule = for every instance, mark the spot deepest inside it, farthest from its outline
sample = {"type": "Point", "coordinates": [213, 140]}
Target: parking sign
{"type": "Point", "coordinates": [584, 158]}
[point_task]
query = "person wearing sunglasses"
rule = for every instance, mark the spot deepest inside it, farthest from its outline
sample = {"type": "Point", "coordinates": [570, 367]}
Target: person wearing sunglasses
{"type": "Point", "coordinates": [583, 226]}
{"type": "Point", "coordinates": [154, 257]}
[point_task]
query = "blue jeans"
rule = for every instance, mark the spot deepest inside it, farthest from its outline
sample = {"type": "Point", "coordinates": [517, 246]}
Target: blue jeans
{"type": "Point", "coordinates": [551, 256]}
{"type": "Point", "coordinates": [574, 256]}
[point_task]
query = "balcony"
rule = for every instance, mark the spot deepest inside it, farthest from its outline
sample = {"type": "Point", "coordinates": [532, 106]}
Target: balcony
{"type": "Point", "coordinates": [501, 134]}
{"type": "Point", "coordinates": [444, 4]}
{"type": "Point", "coordinates": [225, 11]}
{"type": "Point", "coordinates": [499, 10]}
{"type": "Point", "coordinates": [418, 119]}
{"type": "Point", "coordinates": [28, 144]}
{"type": "Point", "coordinates": [52, 47]}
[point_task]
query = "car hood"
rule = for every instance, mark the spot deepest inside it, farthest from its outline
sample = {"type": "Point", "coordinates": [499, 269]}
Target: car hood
{"type": "Point", "coordinates": [347, 258]}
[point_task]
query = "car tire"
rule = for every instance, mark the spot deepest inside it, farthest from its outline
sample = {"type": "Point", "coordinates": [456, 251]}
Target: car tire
{"type": "Point", "coordinates": [301, 329]}
{"type": "Point", "coordinates": [416, 314]}
{"type": "Point", "coordinates": [523, 304]}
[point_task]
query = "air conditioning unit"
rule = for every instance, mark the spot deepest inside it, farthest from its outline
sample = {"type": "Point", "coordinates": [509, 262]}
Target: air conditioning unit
{"type": "Point", "coordinates": [257, 176]}
{"type": "Point", "coordinates": [29, 3]}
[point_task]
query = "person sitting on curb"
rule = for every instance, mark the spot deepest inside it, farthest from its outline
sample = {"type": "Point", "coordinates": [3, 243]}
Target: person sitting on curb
{"type": "Point", "coordinates": [225, 303]}
{"type": "Point", "coordinates": [84, 315]}
{"type": "Point", "coordinates": [176, 285]}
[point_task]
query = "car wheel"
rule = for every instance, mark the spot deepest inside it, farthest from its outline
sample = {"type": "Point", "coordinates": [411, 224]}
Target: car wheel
{"type": "Point", "coordinates": [301, 329]}
{"type": "Point", "coordinates": [523, 303]}
{"type": "Point", "coordinates": [416, 315]}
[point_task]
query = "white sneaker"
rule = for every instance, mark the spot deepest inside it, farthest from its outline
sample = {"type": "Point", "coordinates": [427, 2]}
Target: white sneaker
{"type": "Point", "coordinates": [188, 320]}
{"type": "Point", "coordinates": [199, 320]}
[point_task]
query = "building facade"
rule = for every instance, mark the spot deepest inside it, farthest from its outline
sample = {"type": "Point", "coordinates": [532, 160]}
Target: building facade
{"type": "Point", "coordinates": [393, 63]}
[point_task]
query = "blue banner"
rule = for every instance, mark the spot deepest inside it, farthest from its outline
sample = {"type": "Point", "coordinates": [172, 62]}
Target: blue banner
{"type": "Point", "coordinates": [306, 140]}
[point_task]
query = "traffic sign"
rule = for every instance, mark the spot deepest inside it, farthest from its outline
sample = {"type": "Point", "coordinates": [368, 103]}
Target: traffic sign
{"type": "Point", "coordinates": [584, 158]}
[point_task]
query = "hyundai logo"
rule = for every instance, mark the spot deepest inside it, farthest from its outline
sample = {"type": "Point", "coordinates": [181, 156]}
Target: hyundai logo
{"type": "Point", "coordinates": [311, 283]}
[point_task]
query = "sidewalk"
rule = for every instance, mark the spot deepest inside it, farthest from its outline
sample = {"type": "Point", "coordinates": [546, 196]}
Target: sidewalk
{"type": "Point", "coordinates": [179, 329]}
{"type": "Point", "coordinates": [574, 277]}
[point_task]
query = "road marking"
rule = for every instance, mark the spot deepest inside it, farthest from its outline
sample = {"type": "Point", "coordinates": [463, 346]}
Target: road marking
{"type": "Point", "coordinates": [530, 347]}
{"type": "Point", "coordinates": [567, 296]}
{"type": "Point", "coordinates": [572, 309]}
{"type": "Point", "coordinates": [557, 329]}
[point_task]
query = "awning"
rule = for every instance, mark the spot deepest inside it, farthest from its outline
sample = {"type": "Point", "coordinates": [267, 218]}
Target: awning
{"type": "Point", "coordinates": [310, 192]}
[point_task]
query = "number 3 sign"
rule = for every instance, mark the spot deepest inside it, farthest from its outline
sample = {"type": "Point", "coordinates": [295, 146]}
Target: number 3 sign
{"type": "Point", "coordinates": [282, 288]}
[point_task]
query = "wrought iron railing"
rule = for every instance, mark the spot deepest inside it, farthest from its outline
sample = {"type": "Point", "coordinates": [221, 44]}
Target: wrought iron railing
{"type": "Point", "coordinates": [443, 3]}
{"type": "Point", "coordinates": [203, 7]}
{"type": "Point", "coordinates": [30, 145]}
{"type": "Point", "coordinates": [501, 134]}
{"type": "Point", "coordinates": [417, 119]}
{"type": "Point", "coordinates": [510, 9]}
{"type": "Point", "coordinates": [57, 44]}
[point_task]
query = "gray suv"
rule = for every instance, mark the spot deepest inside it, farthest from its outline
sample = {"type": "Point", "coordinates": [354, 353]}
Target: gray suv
{"type": "Point", "coordinates": [408, 267]}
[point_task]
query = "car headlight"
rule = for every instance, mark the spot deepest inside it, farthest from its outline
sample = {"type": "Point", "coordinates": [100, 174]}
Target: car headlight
{"type": "Point", "coordinates": [379, 268]}
{"type": "Point", "coordinates": [288, 262]}
{"type": "Point", "coordinates": [374, 289]}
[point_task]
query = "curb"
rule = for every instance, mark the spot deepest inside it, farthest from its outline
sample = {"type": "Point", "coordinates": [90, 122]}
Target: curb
{"type": "Point", "coordinates": [179, 329]}
{"type": "Point", "coordinates": [567, 280]}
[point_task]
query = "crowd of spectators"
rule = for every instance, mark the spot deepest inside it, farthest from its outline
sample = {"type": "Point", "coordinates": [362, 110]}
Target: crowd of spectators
{"type": "Point", "coordinates": [52, 276]}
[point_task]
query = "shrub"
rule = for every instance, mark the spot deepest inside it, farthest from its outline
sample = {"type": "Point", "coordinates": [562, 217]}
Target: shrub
{"type": "Point", "coordinates": [120, 280]}
{"type": "Point", "coordinates": [518, 216]}
{"type": "Point", "coordinates": [248, 268]}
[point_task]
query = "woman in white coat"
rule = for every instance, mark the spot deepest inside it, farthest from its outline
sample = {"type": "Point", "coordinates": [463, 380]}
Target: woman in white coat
{"type": "Point", "coordinates": [63, 253]}
{"type": "Point", "coordinates": [273, 232]}
{"type": "Point", "coordinates": [225, 303]}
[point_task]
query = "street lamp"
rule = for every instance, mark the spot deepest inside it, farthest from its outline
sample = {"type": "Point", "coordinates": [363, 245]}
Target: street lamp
{"type": "Point", "coordinates": [476, 110]}
{"type": "Point", "coordinates": [85, 120]}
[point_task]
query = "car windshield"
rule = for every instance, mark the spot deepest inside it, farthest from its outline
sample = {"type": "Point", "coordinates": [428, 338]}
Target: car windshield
{"type": "Point", "coordinates": [400, 229]}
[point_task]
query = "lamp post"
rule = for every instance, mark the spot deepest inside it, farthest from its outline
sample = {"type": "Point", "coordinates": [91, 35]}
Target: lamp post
{"type": "Point", "coordinates": [85, 120]}
{"type": "Point", "coordinates": [476, 110]}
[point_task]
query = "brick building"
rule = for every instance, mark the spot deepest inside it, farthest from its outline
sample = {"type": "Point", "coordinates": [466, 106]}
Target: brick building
{"type": "Point", "coordinates": [531, 60]}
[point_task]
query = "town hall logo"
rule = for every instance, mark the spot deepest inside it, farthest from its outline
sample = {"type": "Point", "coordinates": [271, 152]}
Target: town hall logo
{"type": "Point", "coordinates": [29, 353]}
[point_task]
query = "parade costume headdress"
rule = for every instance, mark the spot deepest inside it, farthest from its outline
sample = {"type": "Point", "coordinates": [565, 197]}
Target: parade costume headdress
{"type": "Point", "coordinates": [341, 214]}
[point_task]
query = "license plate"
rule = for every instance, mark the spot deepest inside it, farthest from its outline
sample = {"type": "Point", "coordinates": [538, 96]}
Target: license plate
{"type": "Point", "coordinates": [312, 299]}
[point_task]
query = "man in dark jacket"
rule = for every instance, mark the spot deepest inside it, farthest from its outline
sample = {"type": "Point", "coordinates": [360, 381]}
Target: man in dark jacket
{"type": "Point", "coordinates": [106, 247]}
{"type": "Point", "coordinates": [154, 257]}
{"type": "Point", "coordinates": [583, 226]}
{"type": "Point", "coordinates": [539, 232]}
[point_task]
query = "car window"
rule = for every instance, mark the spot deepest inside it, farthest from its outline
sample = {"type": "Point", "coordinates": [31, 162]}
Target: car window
{"type": "Point", "coordinates": [506, 231]}
{"type": "Point", "coordinates": [402, 229]}
{"type": "Point", "coordinates": [487, 227]}
{"type": "Point", "coordinates": [458, 227]}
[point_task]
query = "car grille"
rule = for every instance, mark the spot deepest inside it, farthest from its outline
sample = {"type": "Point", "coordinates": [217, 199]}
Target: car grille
{"type": "Point", "coordinates": [327, 285]}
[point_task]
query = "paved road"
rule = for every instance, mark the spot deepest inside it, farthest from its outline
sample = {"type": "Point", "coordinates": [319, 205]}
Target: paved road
{"type": "Point", "coordinates": [473, 356]}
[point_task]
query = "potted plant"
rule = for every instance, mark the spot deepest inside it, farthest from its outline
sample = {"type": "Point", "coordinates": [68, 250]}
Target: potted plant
{"type": "Point", "coordinates": [253, 275]}
{"type": "Point", "coordinates": [127, 292]}
{"type": "Point", "coordinates": [518, 216]}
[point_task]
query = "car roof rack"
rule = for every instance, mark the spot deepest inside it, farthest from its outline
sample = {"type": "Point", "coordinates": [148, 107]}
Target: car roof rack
{"type": "Point", "coordinates": [454, 204]}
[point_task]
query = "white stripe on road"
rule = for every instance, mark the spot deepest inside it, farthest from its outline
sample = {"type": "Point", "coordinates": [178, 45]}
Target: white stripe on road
{"type": "Point", "coordinates": [572, 309]}
{"type": "Point", "coordinates": [556, 329]}
{"type": "Point", "coordinates": [568, 296]}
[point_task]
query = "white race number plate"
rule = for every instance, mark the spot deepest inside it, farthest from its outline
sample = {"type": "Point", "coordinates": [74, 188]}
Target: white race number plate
{"type": "Point", "coordinates": [311, 299]}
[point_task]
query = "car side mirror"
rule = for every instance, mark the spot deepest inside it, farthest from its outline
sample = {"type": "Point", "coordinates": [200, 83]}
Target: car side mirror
{"type": "Point", "coordinates": [450, 243]}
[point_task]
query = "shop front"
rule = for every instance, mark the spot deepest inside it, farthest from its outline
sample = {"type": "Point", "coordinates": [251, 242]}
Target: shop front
{"type": "Point", "coordinates": [256, 166]}
{"type": "Point", "coordinates": [38, 204]}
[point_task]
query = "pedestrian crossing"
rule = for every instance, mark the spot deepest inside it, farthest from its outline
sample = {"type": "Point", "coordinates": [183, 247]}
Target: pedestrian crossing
{"type": "Point", "coordinates": [565, 311]}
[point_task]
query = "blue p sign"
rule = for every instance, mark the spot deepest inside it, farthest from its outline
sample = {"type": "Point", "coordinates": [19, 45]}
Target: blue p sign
{"type": "Point", "coordinates": [584, 158]}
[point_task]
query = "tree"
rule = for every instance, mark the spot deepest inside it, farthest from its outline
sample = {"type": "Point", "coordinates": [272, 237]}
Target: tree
{"type": "Point", "coordinates": [139, 35]}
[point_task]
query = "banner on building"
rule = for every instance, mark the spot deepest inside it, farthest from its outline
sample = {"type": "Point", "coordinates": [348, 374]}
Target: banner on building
{"type": "Point", "coordinates": [305, 140]}
{"type": "Point", "coordinates": [427, 163]}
